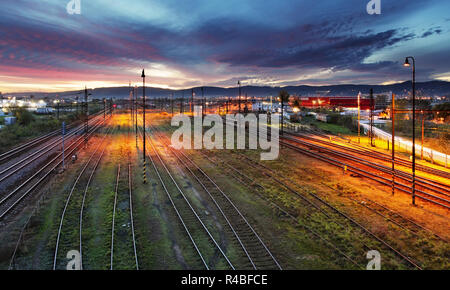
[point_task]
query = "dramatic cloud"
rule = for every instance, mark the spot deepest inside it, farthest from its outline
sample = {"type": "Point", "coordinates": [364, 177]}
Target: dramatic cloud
{"type": "Point", "coordinates": [211, 42]}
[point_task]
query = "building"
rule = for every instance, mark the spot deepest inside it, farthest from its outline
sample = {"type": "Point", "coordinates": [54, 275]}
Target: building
{"type": "Point", "coordinates": [334, 102]}
{"type": "Point", "coordinates": [10, 120]}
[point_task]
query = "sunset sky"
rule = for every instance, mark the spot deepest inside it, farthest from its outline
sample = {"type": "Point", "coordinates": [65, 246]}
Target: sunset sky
{"type": "Point", "coordinates": [184, 43]}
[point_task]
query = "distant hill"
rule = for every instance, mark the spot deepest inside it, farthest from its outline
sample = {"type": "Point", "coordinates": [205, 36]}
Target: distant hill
{"type": "Point", "coordinates": [431, 88]}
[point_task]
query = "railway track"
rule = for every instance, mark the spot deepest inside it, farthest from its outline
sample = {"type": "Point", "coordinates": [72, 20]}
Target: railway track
{"type": "Point", "coordinates": [9, 201]}
{"type": "Point", "coordinates": [394, 217]}
{"type": "Point", "coordinates": [366, 169]}
{"type": "Point", "coordinates": [358, 149]}
{"type": "Point", "coordinates": [372, 155]}
{"type": "Point", "coordinates": [67, 238]}
{"type": "Point", "coordinates": [123, 195]}
{"type": "Point", "coordinates": [255, 250]}
{"type": "Point", "coordinates": [194, 226]}
{"type": "Point", "coordinates": [384, 243]}
{"type": "Point", "coordinates": [428, 184]}
{"type": "Point", "coordinates": [41, 153]}
{"type": "Point", "coordinates": [258, 189]}
{"type": "Point", "coordinates": [38, 140]}
{"type": "Point", "coordinates": [271, 174]}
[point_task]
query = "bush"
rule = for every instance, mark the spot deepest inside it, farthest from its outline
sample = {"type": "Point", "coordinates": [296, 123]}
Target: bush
{"type": "Point", "coordinates": [345, 121]}
{"type": "Point", "coordinates": [24, 117]}
{"type": "Point", "coordinates": [16, 133]}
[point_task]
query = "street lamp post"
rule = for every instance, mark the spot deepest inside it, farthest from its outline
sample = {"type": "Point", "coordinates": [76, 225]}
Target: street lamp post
{"type": "Point", "coordinates": [407, 64]}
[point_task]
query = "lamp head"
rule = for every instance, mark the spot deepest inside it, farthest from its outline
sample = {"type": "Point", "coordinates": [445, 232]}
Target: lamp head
{"type": "Point", "coordinates": [406, 64]}
{"type": "Point", "coordinates": [143, 74]}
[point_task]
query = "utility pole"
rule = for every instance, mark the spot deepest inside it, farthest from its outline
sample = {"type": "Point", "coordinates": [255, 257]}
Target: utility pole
{"type": "Point", "coordinates": [78, 113]}
{"type": "Point", "coordinates": [421, 148]}
{"type": "Point", "coordinates": [143, 125]}
{"type": "Point", "coordinates": [181, 102]}
{"type": "Point", "coordinates": [371, 117]}
{"type": "Point", "coordinates": [393, 142]}
{"type": "Point", "coordinates": [104, 108]}
{"type": "Point", "coordinates": [137, 114]}
{"type": "Point", "coordinates": [63, 134]}
{"type": "Point", "coordinates": [86, 115]}
{"type": "Point", "coordinates": [245, 107]}
{"type": "Point", "coordinates": [228, 104]}
{"type": "Point", "coordinates": [359, 117]}
{"type": "Point", "coordinates": [130, 102]}
{"type": "Point", "coordinates": [57, 109]}
{"type": "Point", "coordinates": [191, 104]}
{"type": "Point", "coordinates": [171, 103]}
{"type": "Point", "coordinates": [239, 100]}
{"type": "Point", "coordinates": [203, 104]}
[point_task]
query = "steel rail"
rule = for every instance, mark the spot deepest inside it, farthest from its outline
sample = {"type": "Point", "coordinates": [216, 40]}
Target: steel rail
{"type": "Point", "coordinates": [376, 155]}
{"type": "Point", "coordinates": [216, 203]}
{"type": "Point", "coordinates": [438, 188]}
{"type": "Point", "coordinates": [35, 141]}
{"type": "Point", "coordinates": [14, 168]}
{"type": "Point", "coordinates": [366, 174]}
{"type": "Point", "coordinates": [83, 202]}
{"type": "Point", "coordinates": [404, 257]}
{"type": "Point", "coordinates": [69, 198]}
{"type": "Point", "coordinates": [176, 209]}
{"type": "Point", "coordinates": [114, 215]}
{"type": "Point", "coordinates": [281, 209]}
{"type": "Point", "coordinates": [4, 200]}
{"type": "Point", "coordinates": [130, 191]}
{"type": "Point", "coordinates": [189, 204]}
{"type": "Point", "coordinates": [74, 144]}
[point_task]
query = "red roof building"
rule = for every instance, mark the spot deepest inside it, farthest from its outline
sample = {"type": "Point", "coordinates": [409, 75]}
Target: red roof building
{"type": "Point", "coordinates": [327, 102]}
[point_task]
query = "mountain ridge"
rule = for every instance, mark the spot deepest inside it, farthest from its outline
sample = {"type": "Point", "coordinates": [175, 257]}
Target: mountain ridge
{"type": "Point", "coordinates": [430, 88]}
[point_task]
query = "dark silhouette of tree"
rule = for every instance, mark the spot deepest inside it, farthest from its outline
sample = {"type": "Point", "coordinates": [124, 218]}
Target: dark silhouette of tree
{"type": "Point", "coordinates": [284, 98]}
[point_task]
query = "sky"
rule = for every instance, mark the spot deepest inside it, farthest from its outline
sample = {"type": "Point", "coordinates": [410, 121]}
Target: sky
{"type": "Point", "coordinates": [186, 43]}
